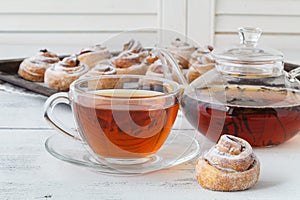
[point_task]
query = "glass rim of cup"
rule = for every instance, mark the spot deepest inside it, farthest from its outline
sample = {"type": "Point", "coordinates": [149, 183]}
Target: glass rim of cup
{"type": "Point", "coordinates": [177, 87]}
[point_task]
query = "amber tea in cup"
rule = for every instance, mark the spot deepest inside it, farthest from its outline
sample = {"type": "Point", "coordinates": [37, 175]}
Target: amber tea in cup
{"type": "Point", "coordinates": [125, 122]}
{"type": "Point", "coordinates": [118, 130]}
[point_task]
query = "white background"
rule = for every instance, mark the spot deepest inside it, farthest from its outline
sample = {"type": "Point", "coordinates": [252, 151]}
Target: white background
{"type": "Point", "coordinates": [86, 22]}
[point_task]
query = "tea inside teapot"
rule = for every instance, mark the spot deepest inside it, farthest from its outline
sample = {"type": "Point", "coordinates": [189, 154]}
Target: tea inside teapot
{"type": "Point", "coordinates": [262, 115]}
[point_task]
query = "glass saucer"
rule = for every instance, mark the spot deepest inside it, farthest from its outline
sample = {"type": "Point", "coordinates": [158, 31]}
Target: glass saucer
{"type": "Point", "coordinates": [178, 148]}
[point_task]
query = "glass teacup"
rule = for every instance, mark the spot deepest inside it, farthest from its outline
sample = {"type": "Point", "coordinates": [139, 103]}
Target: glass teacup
{"type": "Point", "coordinates": [122, 119]}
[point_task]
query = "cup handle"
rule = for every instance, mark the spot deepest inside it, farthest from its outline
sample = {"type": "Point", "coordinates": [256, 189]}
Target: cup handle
{"type": "Point", "coordinates": [52, 101]}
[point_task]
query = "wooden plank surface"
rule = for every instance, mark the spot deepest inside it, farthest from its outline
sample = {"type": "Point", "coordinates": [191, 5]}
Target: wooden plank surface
{"type": "Point", "coordinates": [25, 111]}
{"type": "Point", "coordinates": [288, 24]}
{"type": "Point", "coordinates": [200, 21]}
{"type": "Point", "coordinates": [78, 39]}
{"type": "Point", "coordinates": [79, 6]}
{"type": "Point", "coordinates": [27, 171]}
{"type": "Point", "coordinates": [60, 22]}
{"type": "Point", "coordinates": [175, 18]}
{"type": "Point", "coordinates": [280, 42]}
{"type": "Point", "coordinates": [258, 7]}
{"type": "Point", "coordinates": [71, 23]}
{"type": "Point", "coordinates": [279, 20]}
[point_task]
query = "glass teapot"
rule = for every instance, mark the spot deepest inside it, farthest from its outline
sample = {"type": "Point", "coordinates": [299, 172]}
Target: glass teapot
{"type": "Point", "coordinates": [248, 95]}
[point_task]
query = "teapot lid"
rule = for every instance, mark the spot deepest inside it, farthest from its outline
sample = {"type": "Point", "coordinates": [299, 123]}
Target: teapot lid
{"type": "Point", "coordinates": [248, 51]}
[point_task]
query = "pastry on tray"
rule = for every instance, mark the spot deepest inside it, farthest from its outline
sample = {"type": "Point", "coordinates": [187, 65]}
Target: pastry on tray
{"type": "Point", "coordinates": [131, 59]}
{"type": "Point", "coordinates": [230, 165]}
{"type": "Point", "coordinates": [155, 66]}
{"type": "Point", "coordinates": [93, 54]}
{"type": "Point", "coordinates": [103, 68]}
{"type": "Point", "coordinates": [203, 54]}
{"type": "Point", "coordinates": [60, 75]}
{"type": "Point", "coordinates": [133, 45]}
{"type": "Point", "coordinates": [182, 52]}
{"type": "Point", "coordinates": [197, 69]}
{"type": "Point", "coordinates": [201, 62]}
{"type": "Point", "coordinates": [33, 68]}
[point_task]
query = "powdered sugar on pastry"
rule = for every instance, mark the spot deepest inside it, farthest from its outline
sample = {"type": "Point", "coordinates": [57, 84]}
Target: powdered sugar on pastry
{"type": "Point", "coordinates": [100, 69]}
{"type": "Point", "coordinates": [93, 54]}
{"type": "Point", "coordinates": [182, 52]}
{"type": "Point", "coordinates": [33, 68]}
{"type": "Point", "coordinates": [131, 60]}
{"type": "Point", "coordinates": [231, 153]}
{"type": "Point", "coordinates": [62, 74]}
{"type": "Point", "coordinates": [228, 166]}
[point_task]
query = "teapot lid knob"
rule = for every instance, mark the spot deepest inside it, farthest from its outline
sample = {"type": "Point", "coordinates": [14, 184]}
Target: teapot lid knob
{"type": "Point", "coordinates": [249, 36]}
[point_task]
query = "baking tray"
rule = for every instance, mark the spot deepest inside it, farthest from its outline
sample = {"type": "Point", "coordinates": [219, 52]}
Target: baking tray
{"type": "Point", "coordinates": [8, 73]}
{"type": "Point", "coordinates": [9, 69]}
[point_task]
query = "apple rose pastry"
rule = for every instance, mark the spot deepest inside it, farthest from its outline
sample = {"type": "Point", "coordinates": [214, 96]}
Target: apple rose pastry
{"type": "Point", "coordinates": [133, 46]}
{"type": "Point", "coordinates": [161, 68]}
{"type": "Point", "coordinates": [98, 71]}
{"type": "Point", "coordinates": [154, 66]}
{"type": "Point", "coordinates": [156, 69]}
{"type": "Point", "coordinates": [60, 75]}
{"type": "Point", "coordinates": [228, 166]}
{"type": "Point", "coordinates": [93, 54]}
{"type": "Point", "coordinates": [33, 68]}
{"type": "Point", "coordinates": [131, 60]}
{"type": "Point", "coordinates": [151, 58]}
{"type": "Point", "coordinates": [203, 55]}
{"type": "Point", "coordinates": [201, 61]}
{"type": "Point", "coordinates": [182, 52]}
{"type": "Point", "coordinates": [197, 69]}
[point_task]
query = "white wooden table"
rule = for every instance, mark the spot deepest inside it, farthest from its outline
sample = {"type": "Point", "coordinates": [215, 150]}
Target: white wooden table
{"type": "Point", "coordinates": [28, 171]}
